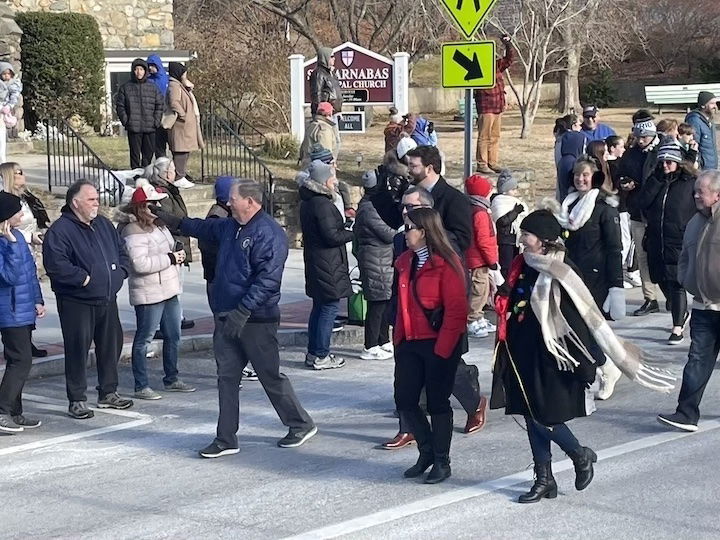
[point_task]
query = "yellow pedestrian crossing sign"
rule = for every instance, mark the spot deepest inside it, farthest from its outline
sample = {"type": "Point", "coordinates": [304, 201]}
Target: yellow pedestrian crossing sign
{"type": "Point", "coordinates": [468, 14]}
{"type": "Point", "coordinates": [468, 64]}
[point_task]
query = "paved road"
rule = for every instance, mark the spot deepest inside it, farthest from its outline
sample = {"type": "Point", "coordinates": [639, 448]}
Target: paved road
{"type": "Point", "coordinates": [135, 474]}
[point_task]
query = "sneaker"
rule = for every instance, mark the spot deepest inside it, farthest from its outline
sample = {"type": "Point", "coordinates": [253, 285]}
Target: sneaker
{"type": "Point", "coordinates": [80, 410]}
{"type": "Point", "coordinates": [113, 401]}
{"type": "Point", "coordinates": [388, 347]}
{"type": "Point", "coordinates": [249, 374]}
{"type": "Point", "coordinates": [186, 324]}
{"type": "Point", "coordinates": [650, 306]}
{"type": "Point", "coordinates": [7, 425]}
{"type": "Point", "coordinates": [476, 331]}
{"type": "Point", "coordinates": [610, 375]}
{"type": "Point", "coordinates": [147, 393]}
{"type": "Point", "coordinates": [183, 183]}
{"type": "Point", "coordinates": [179, 386]}
{"type": "Point", "coordinates": [158, 334]}
{"type": "Point", "coordinates": [329, 362]}
{"type": "Point", "coordinates": [677, 420]}
{"type": "Point", "coordinates": [296, 438]}
{"type": "Point", "coordinates": [337, 326]}
{"type": "Point", "coordinates": [487, 325]}
{"type": "Point", "coordinates": [215, 450]}
{"type": "Point", "coordinates": [676, 339]}
{"type": "Point", "coordinates": [310, 360]}
{"type": "Point", "coordinates": [376, 353]}
{"type": "Point", "coordinates": [25, 422]}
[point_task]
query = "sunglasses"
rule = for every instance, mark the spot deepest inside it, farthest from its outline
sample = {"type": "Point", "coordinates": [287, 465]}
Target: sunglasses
{"type": "Point", "coordinates": [411, 227]}
{"type": "Point", "coordinates": [409, 207]}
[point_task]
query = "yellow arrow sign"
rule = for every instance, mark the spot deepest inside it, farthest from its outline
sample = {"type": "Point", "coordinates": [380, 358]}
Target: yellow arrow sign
{"type": "Point", "coordinates": [468, 64]}
{"type": "Point", "coordinates": [468, 14]}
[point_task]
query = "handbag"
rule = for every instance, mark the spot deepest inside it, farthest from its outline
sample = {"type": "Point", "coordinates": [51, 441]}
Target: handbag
{"type": "Point", "coordinates": [433, 316]}
{"type": "Point", "coordinates": [357, 308]}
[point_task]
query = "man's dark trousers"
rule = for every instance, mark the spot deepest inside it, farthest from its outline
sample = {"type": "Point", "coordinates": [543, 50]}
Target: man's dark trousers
{"type": "Point", "coordinates": [142, 149]}
{"type": "Point", "coordinates": [82, 324]}
{"type": "Point", "coordinates": [258, 343]}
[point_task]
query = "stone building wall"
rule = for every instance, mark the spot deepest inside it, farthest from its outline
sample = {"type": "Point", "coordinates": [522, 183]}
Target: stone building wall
{"type": "Point", "coordinates": [124, 24]}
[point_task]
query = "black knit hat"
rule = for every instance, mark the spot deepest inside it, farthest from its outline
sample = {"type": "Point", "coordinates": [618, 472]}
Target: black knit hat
{"type": "Point", "coordinates": [543, 224]}
{"type": "Point", "coordinates": [9, 205]}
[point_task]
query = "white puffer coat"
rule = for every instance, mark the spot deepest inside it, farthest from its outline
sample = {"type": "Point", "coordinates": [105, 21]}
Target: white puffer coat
{"type": "Point", "coordinates": [153, 278]}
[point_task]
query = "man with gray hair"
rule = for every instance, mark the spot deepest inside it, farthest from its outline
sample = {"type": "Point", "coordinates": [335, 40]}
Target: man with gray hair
{"type": "Point", "coordinates": [87, 264]}
{"type": "Point", "coordinates": [252, 250]}
{"type": "Point", "coordinates": [697, 272]}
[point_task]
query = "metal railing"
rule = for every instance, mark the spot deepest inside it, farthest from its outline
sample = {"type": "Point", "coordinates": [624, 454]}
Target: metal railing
{"type": "Point", "coordinates": [226, 153]}
{"type": "Point", "coordinates": [251, 136]}
{"type": "Point", "coordinates": [70, 158]}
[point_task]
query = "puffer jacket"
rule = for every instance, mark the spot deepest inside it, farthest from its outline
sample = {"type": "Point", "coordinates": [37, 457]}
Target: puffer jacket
{"type": "Point", "coordinates": [139, 104]}
{"type": "Point", "coordinates": [706, 136]}
{"type": "Point", "coordinates": [637, 164]}
{"type": "Point", "coordinates": [374, 251]}
{"type": "Point", "coordinates": [483, 250]}
{"type": "Point", "coordinates": [668, 204]}
{"type": "Point", "coordinates": [324, 244]}
{"type": "Point", "coordinates": [19, 286]}
{"type": "Point", "coordinates": [697, 270]}
{"type": "Point", "coordinates": [324, 86]}
{"type": "Point", "coordinates": [153, 278]}
{"type": "Point", "coordinates": [174, 204]}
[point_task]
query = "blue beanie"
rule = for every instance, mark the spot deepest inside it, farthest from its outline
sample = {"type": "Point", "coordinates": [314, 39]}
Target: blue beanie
{"type": "Point", "coordinates": [222, 188]}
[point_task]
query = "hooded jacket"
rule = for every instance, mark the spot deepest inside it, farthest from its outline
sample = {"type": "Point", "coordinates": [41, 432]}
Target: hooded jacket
{"type": "Point", "coordinates": [706, 136]}
{"type": "Point", "coordinates": [73, 250]}
{"type": "Point", "coordinates": [19, 286]}
{"type": "Point", "coordinates": [161, 78]}
{"type": "Point", "coordinates": [139, 105]}
{"type": "Point", "coordinates": [14, 87]}
{"type": "Point", "coordinates": [572, 145]}
{"type": "Point", "coordinates": [374, 250]}
{"type": "Point", "coordinates": [324, 86]}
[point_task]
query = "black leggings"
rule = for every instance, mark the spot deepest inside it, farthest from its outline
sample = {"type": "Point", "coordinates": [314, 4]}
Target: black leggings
{"type": "Point", "coordinates": [377, 325]}
{"type": "Point", "coordinates": [676, 296]}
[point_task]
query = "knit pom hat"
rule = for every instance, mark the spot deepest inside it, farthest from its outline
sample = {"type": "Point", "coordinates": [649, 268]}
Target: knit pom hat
{"type": "Point", "coordinates": [319, 153]}
{"type": "Point", "coordinates": [543, 224]}
{"type": "Point", "coordinates": [9, 205]}
{"type": "Point", "coordinates": [506, 182]}
{"type": "Point", "coordinates": [670, 151]}
{"type": "Point", "coordinates": [478, 185]}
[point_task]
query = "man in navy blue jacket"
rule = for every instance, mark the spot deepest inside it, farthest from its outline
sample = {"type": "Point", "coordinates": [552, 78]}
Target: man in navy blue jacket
{"type": "Point", "coordinates": [251, 258]}
{"type": "Point", "coordinates": [87, 264]}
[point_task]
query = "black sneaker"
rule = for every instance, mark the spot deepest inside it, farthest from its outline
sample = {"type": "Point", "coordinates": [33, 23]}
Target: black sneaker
{"type": "Point", "coordinates": [38, 353]}
{"type": "Point", "coordinates": [677, 420]}
{"type": "Point", "coordinates": [650, 306]}
{"type": "Point", "coordinates": [8, 426]}
{"type": "Point", "coordinates": [24, 421]}
{"type": "Point", "coordinates": [676, 339]}
{"type": "Point", "coordinates": [215, 450]}
{"type": "Point", "coordinates": [80, 410]}
{"type": "Point", "coordinates": [296, 438]}
{"type": "Point", "coordinates": [337, 326]}
{"type": "Point", "coordinates": [248, 374]}
{"type": "Point", "coordinates": [113, 401]}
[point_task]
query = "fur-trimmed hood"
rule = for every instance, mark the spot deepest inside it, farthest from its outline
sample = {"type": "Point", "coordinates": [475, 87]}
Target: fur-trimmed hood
{"type": "Point", "coordinates": [310, 188]}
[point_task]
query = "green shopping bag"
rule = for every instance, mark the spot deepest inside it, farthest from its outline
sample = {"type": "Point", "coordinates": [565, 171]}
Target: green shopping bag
{"type": "Point", "coordinates": [357, 308]}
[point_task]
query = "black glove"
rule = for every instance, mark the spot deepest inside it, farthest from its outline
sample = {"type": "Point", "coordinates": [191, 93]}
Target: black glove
{"type": "Point", "coordinates": [519, 208]}
{"type": "Point", "coordinates": [234, 321]}
{"type": "Point", "coordinates": [171, 220]}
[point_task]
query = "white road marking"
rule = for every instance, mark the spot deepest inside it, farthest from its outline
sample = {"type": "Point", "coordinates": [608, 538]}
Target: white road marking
{"type": "Point", "coordinates": [484, 488]}
{"type": "Point", "coordinates": [139, 419]}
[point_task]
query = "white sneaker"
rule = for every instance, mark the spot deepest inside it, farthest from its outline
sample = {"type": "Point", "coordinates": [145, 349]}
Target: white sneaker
{"type": "Point", "coordinates": [610, 376]}
{"type": "Point", "coordinates": [183, 183]}
{"type": "Point", "coordinates": [487, 325]}
{"type": "Point", "coordinates": [388, 347]}
{"type": "Point", "coordinates": [376, 353]}
{"type": "Point", "coordinates": [476, 331]}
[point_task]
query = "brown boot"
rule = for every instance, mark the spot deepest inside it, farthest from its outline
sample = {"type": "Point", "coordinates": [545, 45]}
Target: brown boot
{"type": "Point", "coordinates": [401, 440]}
{"type": "Point", "coordinates": [476, 421]}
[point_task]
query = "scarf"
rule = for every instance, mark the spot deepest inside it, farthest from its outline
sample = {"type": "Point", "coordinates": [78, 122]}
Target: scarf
{"type": "Point", "coordinates": [477, 200]}
{"type": "Point", "coordinates": [574, 219]}
{"type": "Point", "coordinates": [557, 333]}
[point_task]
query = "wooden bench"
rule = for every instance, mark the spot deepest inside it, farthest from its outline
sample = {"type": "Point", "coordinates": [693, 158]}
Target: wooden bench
{"type": "Point", "coordinates": [678, 94]}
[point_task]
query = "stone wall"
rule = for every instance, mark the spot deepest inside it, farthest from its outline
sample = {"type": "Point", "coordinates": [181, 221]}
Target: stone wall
{"type": "Point", "coordinates": [124, 24]}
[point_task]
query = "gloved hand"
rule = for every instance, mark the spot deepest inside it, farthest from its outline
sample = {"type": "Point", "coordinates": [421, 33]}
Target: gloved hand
{"type": "Point", "coordinates": [234, 321]}
{"type": "Point", "coordinates": [171, 220]}
{"type": "Point", "coordinates": [615, 303]}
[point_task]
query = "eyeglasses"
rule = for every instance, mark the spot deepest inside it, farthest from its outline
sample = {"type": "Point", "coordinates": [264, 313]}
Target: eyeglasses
{"type": "Point", "coordinates": [411, 227]}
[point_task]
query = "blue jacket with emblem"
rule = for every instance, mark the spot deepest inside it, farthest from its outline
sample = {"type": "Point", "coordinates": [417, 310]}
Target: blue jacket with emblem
{"type": "Point", "coordinates": [250, 263]}
{"type": "Point", "coordinates": [19, 286]}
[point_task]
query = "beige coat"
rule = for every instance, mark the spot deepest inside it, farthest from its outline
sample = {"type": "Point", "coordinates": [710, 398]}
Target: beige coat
{"type": "Point", "coordinates": [320, 131]}
{"type": "Point", "coordinates": [153, 278]}
{"type": "Point", "coordinates": [185, 135]}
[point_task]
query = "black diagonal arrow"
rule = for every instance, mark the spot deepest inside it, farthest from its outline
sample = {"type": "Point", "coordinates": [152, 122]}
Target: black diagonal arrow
{"type": "Point", "coordinates": [474, 71]}
{"type": "Point", "coordinates": [460, 5]}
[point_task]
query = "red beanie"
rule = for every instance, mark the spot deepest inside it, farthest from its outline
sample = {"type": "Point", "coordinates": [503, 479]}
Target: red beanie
{"type": "Point", "coordinates": [478, 185]}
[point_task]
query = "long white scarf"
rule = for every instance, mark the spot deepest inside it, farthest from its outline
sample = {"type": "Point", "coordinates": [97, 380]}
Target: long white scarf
{"type": "Point", "coordinates": [574, 219]}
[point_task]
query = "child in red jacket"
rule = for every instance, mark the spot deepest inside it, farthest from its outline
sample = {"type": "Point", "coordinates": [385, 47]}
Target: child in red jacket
{"type": "Point", "coordinates": [482, 255]}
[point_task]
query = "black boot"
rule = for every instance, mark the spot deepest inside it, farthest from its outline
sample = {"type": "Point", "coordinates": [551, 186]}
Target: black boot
{"type": "Point", "coordinates": [38, 353]}
{"type": "Point", "coordinates": [544, 486]}
{"type": "Point", "coordinates": [583, 460]}
{"type": "Point", "coordinates": [442, 426]}
{"type": "Point", "coordinates": [650, 306]}
{"type": "Point", "coordinates": [418, 424]}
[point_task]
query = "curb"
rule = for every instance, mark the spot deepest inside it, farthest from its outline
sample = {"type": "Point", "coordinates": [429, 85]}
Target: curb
{"type": "Point", "coordinates": [55, 365]}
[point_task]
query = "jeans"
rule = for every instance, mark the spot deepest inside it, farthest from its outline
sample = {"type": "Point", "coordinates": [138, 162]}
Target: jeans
{"type": "Point", "coordinates": [320, 325]}
{"type": "Point", "coordinates": [677, 297]}
{"type": "Point", "coordinates": [377, 325]}
{"type": "Point", "coordinates": [704, 349]}
{"type": "Point", "coordinates": [149, 316]}
{"type": "Point", "coordinates": [540, 437]}
{"type": "Point", "coordinates": [18, 355]}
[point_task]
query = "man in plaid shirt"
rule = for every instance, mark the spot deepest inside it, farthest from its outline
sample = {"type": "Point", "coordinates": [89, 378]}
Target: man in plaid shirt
{"type": "Point", "coordinates": [490, 106]}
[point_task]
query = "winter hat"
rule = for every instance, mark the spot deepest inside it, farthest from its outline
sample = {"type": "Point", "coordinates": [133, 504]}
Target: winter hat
{"type": "Point", "coordinates": [369, 180]}
{"type": "Point", "coordinates": [478, 185]}
{"type": "Point", "coordinates": [644, 127]}
{"type": "Point", "coordinates": [145, 192]}
{"type": "Point", "coordinates": [670, 151]}
{"type": "Point", "coordinates": [320, 172]}
{"type": "Point", "coordinates": [325, 108]}
{"type": "Point", "coordinates": [222, 188]}
{"type": "Point", "coordinates": [590, 112]}
{"type": "Point", "coordinates": [543, 224]}
{"type": "Point", "coordinates": [176, 70]}
{"type": "Point", "coordinates": [704, 97]}
{"type": "Point", "coordinates": [506, 182]}
{"type": "Point", "coordinates": [9, 205]}
{"type": "Point", "coordinates": [404, 146]}
{"type": "Point", "coordinates": [319, 153]}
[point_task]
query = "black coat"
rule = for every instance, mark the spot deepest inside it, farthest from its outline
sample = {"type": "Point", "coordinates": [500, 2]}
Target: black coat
{"type": "Point", "coordinates": [668, 204]}
{"type": "Point", "coordinates": [324, 86]}
{"type": "Point", "coordinates": [596, 248]}
{"type": "Point", "coordinates": [324, 244]}
{"type": "Point", "coordinates": [637, 165]}
{"type": "Point", "coordinates": [543, 392]}
{"type": "Point", "coordinates": [175, 204]}
{"type": "Point", "coordinates": [208, 249]}
{"type": "Point", "coordinates": [139, 104]}
{"type": "Point", "coordinates": [456, 213]}
{"type": "Point", "coordinates": [374, 251]}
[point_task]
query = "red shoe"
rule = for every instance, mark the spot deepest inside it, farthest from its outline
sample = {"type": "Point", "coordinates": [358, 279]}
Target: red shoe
{"type": "Point", "coordinates": [476, 422]}
{"type": "Point", "coordinates": [401, 440]}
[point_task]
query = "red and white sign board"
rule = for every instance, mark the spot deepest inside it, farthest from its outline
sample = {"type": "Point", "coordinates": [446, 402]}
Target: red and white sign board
{"type": "Point", "coordinates": [365, 77]}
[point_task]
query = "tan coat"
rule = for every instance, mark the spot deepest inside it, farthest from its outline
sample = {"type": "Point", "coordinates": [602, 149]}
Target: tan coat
{"type": "Point", "coordinates": [185, 135]}
{"type": "Point", "coordinates": [320, 131]}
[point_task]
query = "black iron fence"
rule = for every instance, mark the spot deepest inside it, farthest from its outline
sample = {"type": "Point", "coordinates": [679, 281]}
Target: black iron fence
{"type": "Point", "coordinates": [70, 158]}
{"type": "Point", "coordinates": [250, 135]}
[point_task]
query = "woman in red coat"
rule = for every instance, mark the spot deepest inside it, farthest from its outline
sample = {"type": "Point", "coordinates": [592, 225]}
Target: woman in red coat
{"type": "Point", "coordinates": [431, 315]}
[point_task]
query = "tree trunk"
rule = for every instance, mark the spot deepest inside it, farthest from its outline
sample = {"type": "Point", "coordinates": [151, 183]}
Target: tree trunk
{"type": "Point", "coordinates": [569, 100]}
